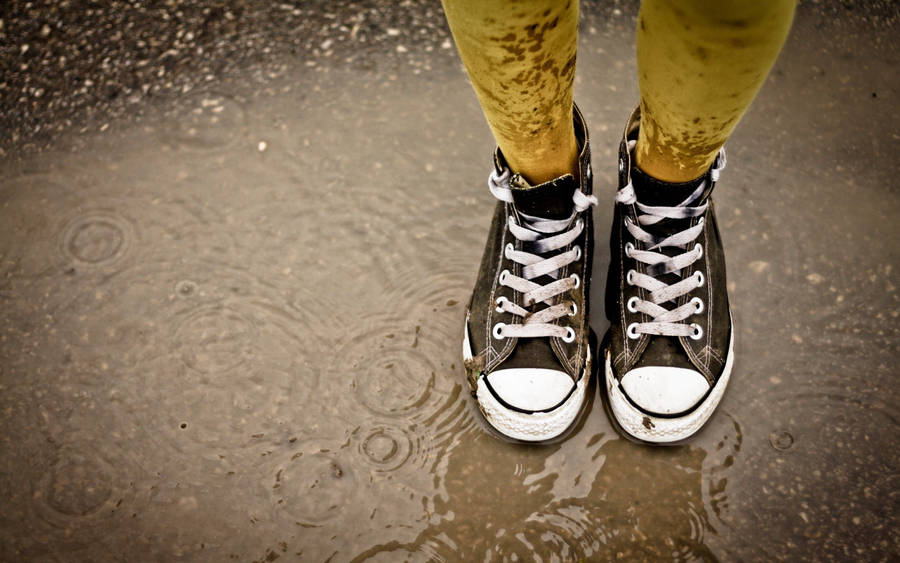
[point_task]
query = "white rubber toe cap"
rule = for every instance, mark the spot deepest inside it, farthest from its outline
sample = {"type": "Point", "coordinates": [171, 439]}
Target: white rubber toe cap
{"type": "Point", "coordinates": [665, 390]}
{"type": "Point", "coordinates": [530, 389]}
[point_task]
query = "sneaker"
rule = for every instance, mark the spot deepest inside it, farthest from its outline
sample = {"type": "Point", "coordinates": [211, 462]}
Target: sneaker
{"type": "Point", "coordinates": [669, 347]}
{"type": "Point", "coordinates": [526, 346]}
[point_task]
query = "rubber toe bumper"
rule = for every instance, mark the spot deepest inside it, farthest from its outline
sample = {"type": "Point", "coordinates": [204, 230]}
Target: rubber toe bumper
{"type": "Point", "coordinates": [665, 390]}
{"type": "Point", "coordinates": [530, 389]}
{"type": "Point", "coordinates": [537, 426]}
{"type": "Point", "coordinates": [654, 414]}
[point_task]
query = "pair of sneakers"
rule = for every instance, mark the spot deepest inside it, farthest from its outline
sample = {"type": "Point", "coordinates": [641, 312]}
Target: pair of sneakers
{"type": "Point", "coordinates": [528, 348]}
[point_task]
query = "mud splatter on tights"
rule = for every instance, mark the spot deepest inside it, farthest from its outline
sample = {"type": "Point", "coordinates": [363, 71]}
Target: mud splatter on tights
{"type": "Point", "coordinates": [700, 64]}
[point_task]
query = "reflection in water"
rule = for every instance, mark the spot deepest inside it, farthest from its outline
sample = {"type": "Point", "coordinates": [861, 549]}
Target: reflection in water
{"type": "Point", "coordinates": [575, 500]}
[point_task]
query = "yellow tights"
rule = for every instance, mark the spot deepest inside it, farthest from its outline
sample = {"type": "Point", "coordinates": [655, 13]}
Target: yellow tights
{"type": "Point", "coordinates": [520, 57]}
{"type": "Point", "coordinates": [700, 64]}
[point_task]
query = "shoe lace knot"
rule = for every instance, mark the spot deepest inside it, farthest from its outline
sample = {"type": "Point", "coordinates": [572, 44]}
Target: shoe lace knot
{"type": "Point", "coordinates": [543, 254]}
{"type": "Point", "coordinates": [658, 249]}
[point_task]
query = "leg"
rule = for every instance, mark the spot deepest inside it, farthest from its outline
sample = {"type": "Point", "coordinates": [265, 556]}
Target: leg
{"type": "Point", "coordinates": [670, 347]}
{"type": "Point", "coordinates": [526, 348]}
{"type": "Point", "coordinates": [700, 64]}
{"type": "Point", "coordinates": [520, 57]}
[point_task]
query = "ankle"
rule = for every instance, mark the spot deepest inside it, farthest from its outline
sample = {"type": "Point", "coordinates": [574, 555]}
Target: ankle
{"type": "Point", "coordinates": [661, 163]}
{"type": "Point", "coordinates": [669, 169]}
{"type": "Point", "coordinates": [537, 168]}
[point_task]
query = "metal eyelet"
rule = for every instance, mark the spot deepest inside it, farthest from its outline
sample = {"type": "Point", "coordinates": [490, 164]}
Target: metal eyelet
{"type": "Point", "coordinates": [698, 331]}
{"type": "Point", "coordinates": [698, 303]}
{"type": "Point", "coordinates": [509, 248]}
{"type": "Point", "coordinates": [570, 335]}
{"type": "Point", "coordinates": [629, 277]}
{"type": "Point", "coordinates": [577, 253]}
{"type": "Point", "coordinates": [700, 278]}
{"type": "Point", "coordinates": [577, 281]}
{"type": "Point", "coordinates": [499, 304]}
{"type": "Point", "coordinates": [498, 331]}
{"type": "Point", "coordinates": [698, 248]}
{"type": "Point", "coordinates": [632, 332]}
{"type": "Point", "coordinates": [629, 248]}
{"type": "Point", "coordinates": [573, 310]}
{"type": "Point", "coordinates": [503, 275]}
{"type": "Point", "coordinates": [631, 305]}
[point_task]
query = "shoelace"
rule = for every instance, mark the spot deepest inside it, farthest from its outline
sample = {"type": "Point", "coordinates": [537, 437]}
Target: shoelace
{"type": "Point", "coordinates": [543, 237]}
{"type": "Point", "coordinates": [666, 322]}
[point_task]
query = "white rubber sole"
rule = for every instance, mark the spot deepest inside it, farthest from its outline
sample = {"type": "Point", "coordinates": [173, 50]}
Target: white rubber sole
{"type": "Point", "coordinates": [661, 430]}
{"type": "Point", "coordinates": [529, 427]}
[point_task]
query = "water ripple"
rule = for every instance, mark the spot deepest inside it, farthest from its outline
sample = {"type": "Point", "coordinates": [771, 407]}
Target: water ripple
{"type": "Point", "coordinates": [398, 368]}
{"type": "Point", "coordinates": [385, 447]}
{"type": "Point", "coordinates": [88, 489]}
{"type": "Point", "coordinates": [435, 289]}
{"type": "Point", "coordinates": [315, 484]}
{"type": "Point", "coordinates": [215, 338]}
{"type": "Point", "coordinates": [96, 238]}
{"type": "Point", "coordinates": [237, 363]}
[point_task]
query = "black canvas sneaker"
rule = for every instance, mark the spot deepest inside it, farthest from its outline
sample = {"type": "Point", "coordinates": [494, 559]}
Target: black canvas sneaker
{"type": "Point", "coordinates": [669, 348]}
{"type": "Point", "coordinates": [526, 346]}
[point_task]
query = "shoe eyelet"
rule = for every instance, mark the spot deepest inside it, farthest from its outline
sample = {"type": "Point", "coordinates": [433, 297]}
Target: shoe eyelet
{"type": "Point", "coordinates": [573, 310]}
{"type": "Point", "coordinates": [629, 277]}
{"type": "Point", "coordinates": [698, 331]}
{"type": "Point", "coordinates": [698, 248]}
{"type": "Point", "coordinates": [700, 278]}
{"type": "Point", "coordinates": [499, 304]}
{"type": "Point", "coordinates": [631, 305]}
{"type": "Point", "coordinates": [577, 253]}
{"type": "Point", "coordinates": [577, 281]}
{"type": "Point", "coordinates": [570, 335]}
{"type": "Point", "coordinates": [629, 248]}
{"type": "Point", "coordinates": [698, 303]}
{"type": "Point", "coordinates": [509, 248]}
{"type": "Point", "coordinates": [632, 332]}
{"type": "Point", "coordinates": [503, 275]}
{"type": "Point", "coordinates": [498, 331]}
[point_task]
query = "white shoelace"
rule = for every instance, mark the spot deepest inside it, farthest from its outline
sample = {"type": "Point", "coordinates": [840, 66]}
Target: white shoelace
{"type": "Point", "coordinates": [667, 322]}
{"type": "Point", "coordinates": [544, 236]}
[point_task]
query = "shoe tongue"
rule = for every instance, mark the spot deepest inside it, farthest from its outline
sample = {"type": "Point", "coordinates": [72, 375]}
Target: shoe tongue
{"type": "Point", "coordinates": [651, 191]}
{"type": "Point", "coordinates": [550, 200]}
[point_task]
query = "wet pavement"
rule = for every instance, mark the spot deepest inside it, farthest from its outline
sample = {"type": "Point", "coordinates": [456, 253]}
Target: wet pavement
{"type": "Point", "coordinates": [233, 272]}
